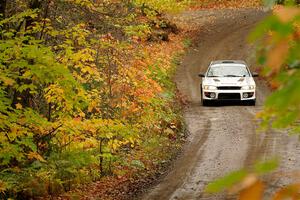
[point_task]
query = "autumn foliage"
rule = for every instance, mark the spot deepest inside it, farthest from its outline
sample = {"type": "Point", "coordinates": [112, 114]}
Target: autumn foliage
{"type": "Point", "coordinates": [82, 93]}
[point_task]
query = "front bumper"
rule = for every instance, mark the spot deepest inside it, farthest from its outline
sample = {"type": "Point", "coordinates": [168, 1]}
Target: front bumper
{"type": "Point", "coordinates": [241, 95]}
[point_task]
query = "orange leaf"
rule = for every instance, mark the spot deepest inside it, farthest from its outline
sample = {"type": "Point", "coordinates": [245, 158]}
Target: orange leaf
{"type": "Point", "coordinates": [291, 192]}
{"type": "Point", "coordinates": [286, 14]}
{"type": "Point", "coordinates": [253, 192]}
{"type": "Point", "coordinates": [274, 84]}
{"type": "Point", "coordinates": [19, 106]}
{"type": "Point", "coordinates": [277, 55]}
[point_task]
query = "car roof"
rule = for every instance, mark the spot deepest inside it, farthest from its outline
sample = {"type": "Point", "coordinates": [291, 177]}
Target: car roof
{"type": "Point", "coordinates": [228, 62]}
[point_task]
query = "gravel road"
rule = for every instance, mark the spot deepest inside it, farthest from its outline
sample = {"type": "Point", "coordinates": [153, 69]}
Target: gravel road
{"type": "Point", "coordinates": [222, 138]}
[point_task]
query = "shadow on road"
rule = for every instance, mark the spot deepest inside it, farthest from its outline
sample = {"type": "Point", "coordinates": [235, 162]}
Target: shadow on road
{"type": "Point", "coordinates": [228, 103]}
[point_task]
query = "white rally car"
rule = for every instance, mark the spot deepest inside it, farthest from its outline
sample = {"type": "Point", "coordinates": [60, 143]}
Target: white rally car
{"type": "Point", "coordinates": [228, 80]}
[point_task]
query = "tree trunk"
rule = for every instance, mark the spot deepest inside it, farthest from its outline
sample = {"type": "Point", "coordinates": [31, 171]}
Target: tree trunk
{"type": "Point", "coordinates": [2, 8]}
{"type": "Point", "coordinates": [33, 4]}
{"type": "Point", "coordinates": [101, 157]}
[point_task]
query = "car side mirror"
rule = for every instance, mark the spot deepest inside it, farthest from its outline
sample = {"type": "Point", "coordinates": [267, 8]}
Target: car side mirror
{"type": "Point", "coordinates": [254, 74]}
{"type": "Point", "coordinates": [201, 75]}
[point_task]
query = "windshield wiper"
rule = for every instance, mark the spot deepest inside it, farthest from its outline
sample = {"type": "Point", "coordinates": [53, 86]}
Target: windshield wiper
{"type": "Point", "coordinates": [213, 76]}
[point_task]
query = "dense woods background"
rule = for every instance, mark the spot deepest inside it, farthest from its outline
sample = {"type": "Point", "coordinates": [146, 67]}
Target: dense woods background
{"type": "Point", "coordinates": [83, 94]}
{"type": "Point", "coordinates": [86, 91]}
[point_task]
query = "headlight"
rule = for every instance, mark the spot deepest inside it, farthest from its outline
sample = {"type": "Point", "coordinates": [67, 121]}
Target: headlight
{"type": "Point", "coordinates": [248, 87]}
{"type": "Point", "coordinates": [209, 87]}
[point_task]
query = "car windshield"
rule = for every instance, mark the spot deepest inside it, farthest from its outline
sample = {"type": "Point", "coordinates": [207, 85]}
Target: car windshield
{"type": "Point", "coordinates": [228, 71]}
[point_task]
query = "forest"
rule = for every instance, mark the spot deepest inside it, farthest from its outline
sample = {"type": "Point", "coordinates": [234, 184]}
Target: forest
{"type": "Point", "coordinates": [88, 101]}
{"type": "Point", "coordinates": [81, 96]}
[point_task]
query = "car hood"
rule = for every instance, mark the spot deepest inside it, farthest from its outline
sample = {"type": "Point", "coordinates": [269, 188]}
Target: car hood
{"type": "Point", "coordinates": [228, 81]}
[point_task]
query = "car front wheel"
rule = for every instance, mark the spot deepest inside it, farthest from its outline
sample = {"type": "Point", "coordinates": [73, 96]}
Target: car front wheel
{"type": "Point", "coordinates": [205, 103]}
{"type": "Point", "coordinates": [252, 102]}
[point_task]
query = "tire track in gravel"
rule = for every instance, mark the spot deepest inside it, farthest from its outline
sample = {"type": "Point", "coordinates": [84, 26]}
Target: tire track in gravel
{"type": "Point", "coordinates": [222, 138]}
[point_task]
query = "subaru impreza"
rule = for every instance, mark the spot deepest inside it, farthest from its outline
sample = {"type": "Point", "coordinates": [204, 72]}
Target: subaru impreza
{"type": "Point", "coordinates": [228, 80]}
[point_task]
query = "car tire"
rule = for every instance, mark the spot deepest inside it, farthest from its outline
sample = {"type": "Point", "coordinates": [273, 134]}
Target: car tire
{"type": "Point", "coordinates": [252, 102]}
{"type": "Point", "coordinates": [205, 103]}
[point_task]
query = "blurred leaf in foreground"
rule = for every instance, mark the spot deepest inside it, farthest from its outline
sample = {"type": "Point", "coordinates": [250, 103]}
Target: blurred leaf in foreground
{"type": "Point", "coordinates": [266, 167]}
{"type": "Point", "coordinates": [244, 182]}
{"type": "Point", "coordinates": [279, 57]}
{"type": "Point", "coordinates": [288, 192]}
{"type": "Point", "coordinates": [253, 191]}
{"type": "Point", "coordinates": [226, 182]}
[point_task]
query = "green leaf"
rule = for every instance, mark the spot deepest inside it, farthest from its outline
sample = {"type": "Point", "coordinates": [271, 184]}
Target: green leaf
{"type": "Point", "coordinates": [28, 142]}
{"type": "Point", "coordinates": [266, 167]}
{"type": "Point", "coordinates": [226, 182]}
{"type": "Point", "coordinates": [137, 163]}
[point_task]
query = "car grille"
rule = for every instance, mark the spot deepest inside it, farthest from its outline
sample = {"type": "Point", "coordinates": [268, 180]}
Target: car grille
{"type": "Point", "coordinates": [229, 88]}
{"type": "Point", "coordinates": [229, 96]}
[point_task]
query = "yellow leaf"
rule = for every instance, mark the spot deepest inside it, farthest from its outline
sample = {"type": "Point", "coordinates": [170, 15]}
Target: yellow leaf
{"type": "Point", "coordinates": [2, 186]}
{"type": "Point", "coordinates": [7, 81]}
{"type": "Point", "coordinates": [169, 132]}
{"type": "Point", "coordinates": [19, 106]}
{"type": "Point", "coordinates": [36, 156]}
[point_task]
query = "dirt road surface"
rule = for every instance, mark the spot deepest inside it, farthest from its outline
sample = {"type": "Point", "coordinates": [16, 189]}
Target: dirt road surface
{"type": "Point", "coordinates": [221, 138]}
